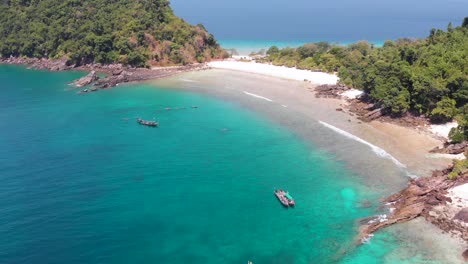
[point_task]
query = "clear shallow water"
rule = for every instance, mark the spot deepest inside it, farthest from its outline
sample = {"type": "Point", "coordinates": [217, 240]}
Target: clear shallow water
{"type": "Point", "coordinates": [83, 183]}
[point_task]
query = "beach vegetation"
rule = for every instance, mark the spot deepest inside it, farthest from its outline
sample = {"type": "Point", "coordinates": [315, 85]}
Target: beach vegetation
{"type": "Point", "coordinates": [444, 111]}
{"type": "Point", "coordinates": [456, 135]}
{"type": "Point", "coordinates": [459, 167]}
{"type": "Point", "coordinates": [138, 33]}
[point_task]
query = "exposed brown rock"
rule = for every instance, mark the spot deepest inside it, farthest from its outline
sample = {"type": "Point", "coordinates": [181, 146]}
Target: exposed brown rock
{"type": "Point", "coordinates": [374, 114]}
{"type": "Point", "coordinates": [113, 80]}
{"type": "Point", "coordinates": [419, 198]}
{"type": "Point", "coordinates": [140, 74]}
{"type": "Point", "coordinates": [117, 72]}
{"type": "Point", "coordinates": [367, 111]}
{"type": "Point", "coordinates": [88, 79]}
{"type": "Point", "coordinates": [462, 215]}
{"type": "Point", "coordinates": [465, 255]}
{"type": "Point", "coordinates": [330, 91]}
{"type": "Point", "coordinates": [452, 148]}
{"type": "Point", "coordinates": [53, 65]}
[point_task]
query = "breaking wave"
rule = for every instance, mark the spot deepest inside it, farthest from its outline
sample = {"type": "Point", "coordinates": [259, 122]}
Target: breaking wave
{"type": "Point", "coordinates": [258, 96]}
{"type": "Point", "coordinates": [377, 150]}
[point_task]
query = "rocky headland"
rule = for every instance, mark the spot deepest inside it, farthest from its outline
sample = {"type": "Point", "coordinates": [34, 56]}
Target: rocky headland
{"type": "Point", "coordinates": [440, 199]}
{"type": "Point", "coordinates": [115, 73]}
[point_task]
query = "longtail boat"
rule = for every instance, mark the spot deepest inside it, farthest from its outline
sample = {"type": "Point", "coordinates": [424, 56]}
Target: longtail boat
{"type": "Point", "coordinates": [281, 195]}
{"type": "Point", "coordinates": [147, 123]}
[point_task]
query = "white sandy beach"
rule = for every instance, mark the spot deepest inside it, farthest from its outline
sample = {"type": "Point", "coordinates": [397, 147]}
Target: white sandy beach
{"type": "Point", "coordinates": [276, 71]}
{"type": "Point", "coordinates": [461, 193]}
{"type": "Point", "coordinates": [443, 130]}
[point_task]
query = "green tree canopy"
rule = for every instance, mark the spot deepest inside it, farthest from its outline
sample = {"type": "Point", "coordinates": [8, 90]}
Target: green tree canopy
{"type": "Point", "coordinates": [138, 32]}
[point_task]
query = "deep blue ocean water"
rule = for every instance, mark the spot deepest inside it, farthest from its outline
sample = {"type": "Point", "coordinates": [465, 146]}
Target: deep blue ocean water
{"type": "Point", "coordinates": [82, 182]}
{"type": "Point", "coordinates": [301, 21]}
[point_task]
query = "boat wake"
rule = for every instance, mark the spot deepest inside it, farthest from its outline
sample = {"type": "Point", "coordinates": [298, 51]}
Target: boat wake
{"type": "Point", "coordinates": [377, 150]}
{"type": "Point", "coordinates": [258, 96]}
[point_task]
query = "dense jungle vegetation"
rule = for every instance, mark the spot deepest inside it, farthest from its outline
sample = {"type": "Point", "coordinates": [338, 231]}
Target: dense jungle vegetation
{"type": "Point", "coordinates": [137, 33]}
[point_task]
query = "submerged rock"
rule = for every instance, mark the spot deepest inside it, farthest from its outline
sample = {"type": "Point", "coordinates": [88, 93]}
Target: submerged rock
{"type": "Point", "coordinates": [465, 255]}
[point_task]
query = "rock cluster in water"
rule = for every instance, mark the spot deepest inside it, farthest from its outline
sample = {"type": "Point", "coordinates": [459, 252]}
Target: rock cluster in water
{"type": "Point", "coordinates": [117, 73]}
{"type": "Point", "coordinates": [86, 80]}
{"type": "Point", "coordinates": [427, 197]}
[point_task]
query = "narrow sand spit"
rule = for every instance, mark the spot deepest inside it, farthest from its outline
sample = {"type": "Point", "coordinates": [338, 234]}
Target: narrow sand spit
{"type": "Point", "coordinates": [276, 71]}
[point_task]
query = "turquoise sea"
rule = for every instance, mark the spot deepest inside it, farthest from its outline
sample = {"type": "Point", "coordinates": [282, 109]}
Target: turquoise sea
{"type": "Point", "coordinates": [246, 47]}
{"type": "Point", "coordinates": [82, 182]}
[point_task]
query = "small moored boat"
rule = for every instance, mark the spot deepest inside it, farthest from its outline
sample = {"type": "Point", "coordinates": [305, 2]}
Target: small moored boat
{"type": "Point", "coordinates": [281, 195]}
{"type": "Point", "coordinates": [147, 123]}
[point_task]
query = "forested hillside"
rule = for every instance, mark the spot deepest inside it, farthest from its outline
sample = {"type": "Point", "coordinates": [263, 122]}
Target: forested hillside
{"type": "Point", "coordinates": [426, 76]}
{"type": "Point", "coordinates": [136, 32]}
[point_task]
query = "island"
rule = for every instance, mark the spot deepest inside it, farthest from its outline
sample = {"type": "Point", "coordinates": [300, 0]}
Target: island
{"type": "Point", "coordinates": [409, 82]}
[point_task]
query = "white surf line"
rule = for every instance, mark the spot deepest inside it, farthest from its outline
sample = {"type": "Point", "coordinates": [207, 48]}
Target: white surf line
{"type": "Point", "coordinates": [284, 106]}
{"type": "Point", "coordinates": [188, 80]}
{"type": "Point", "coordinates": [377, 150]}
{"type": "Point", "coordinates": [258, 96]}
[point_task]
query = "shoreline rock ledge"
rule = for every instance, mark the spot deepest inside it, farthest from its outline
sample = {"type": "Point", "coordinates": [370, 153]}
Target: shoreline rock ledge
{"type": "Point", "coordinates": [440, 200]}
{"type": "Point", "coordinates": [86, 80]}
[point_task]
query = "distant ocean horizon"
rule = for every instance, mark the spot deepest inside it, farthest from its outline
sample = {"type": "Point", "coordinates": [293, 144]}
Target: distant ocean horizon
{"type": "Point", "coordinates": [253, 25]}
{"type": "Point", "coordinates": [246, 47]}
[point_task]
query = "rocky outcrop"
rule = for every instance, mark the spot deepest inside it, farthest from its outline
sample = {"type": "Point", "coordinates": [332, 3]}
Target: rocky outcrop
{"type": "Point", "coordinates": [462, 215]}
{"type": "Point", "coordinates": [117, 73]}
{"type": "Point", "coordinates": [465, 255]}
{"type": "Point", "coordinates": [136, 75]}
{"type": "Point", "coordinates": [374, 114]}
{"type": "Point", "coordinates": [330, 90]}
{"type": "Point", "coordinates": [425, 196]}
{"type": "Point", "coordinates": [113, 80]}
{"type": "Point", "coordinates": [53, 65]}
{"type": "Point", "coordinates": [452, 148]}
{"type": "Point", "coordinates": [86, 80]}
{"type": "Point", "coordinates": [451, 217]}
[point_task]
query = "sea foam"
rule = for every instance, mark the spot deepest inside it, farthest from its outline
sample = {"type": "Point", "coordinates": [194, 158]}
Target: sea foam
{"type": "Point", "coordinates": [258, 96]}
{"type": "Point", "coordinates": [377, 150]}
